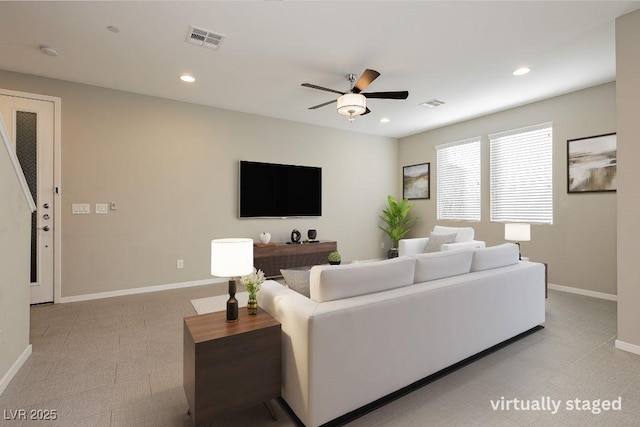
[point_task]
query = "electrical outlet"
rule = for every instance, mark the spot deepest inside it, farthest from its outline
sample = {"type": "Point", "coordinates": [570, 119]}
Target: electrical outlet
{"type": "Point", "coordinates": [381, 245]}
{"type": "Point", "coordinates": [0, 338]}
{"type": "Point", "coordinates": [180, 263]}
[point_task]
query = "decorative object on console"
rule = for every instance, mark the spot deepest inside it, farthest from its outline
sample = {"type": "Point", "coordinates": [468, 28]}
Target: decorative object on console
{"type": "Point", "coordinates": [518, 232]}
{"type": "Point", "coordinates": [231, 258]}
{"type": "Point", "coordinates": [397, 220]}
{"type": "Point", "coordinates": [295, 236]}
{"type": "Point", "coordinates": [252, 283]}
{"type": "Point", "coordinates": [436, 240]}
{"type": "Point", "coordinates": [265, 237]}
{"type": "Point", "coordinates": [592, 164]}
{"type": "Point", "coordinates": [334, 258]}
{"type": "Point", "coordinates": [312, 234]}
{"type": "Point", "coordinates": [416, 181]}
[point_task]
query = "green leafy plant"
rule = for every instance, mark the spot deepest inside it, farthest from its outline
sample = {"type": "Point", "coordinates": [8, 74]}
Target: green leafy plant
{"type": "Point", "coordinates": [397, 220]}
{"type": "Point", "coordinates": [334, 256]}
{"type": "Point", "coordinates": [253, 281]}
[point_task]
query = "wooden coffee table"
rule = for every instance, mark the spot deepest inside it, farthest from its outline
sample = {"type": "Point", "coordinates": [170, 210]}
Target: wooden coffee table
{"type": "Point", "coordinates": [230, 366]}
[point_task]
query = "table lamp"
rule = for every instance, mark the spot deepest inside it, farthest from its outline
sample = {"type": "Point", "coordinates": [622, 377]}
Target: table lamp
{"type": "Point", "coordinates": [517, 233]}
{"type": "Point", "coordinates": [231, 258]}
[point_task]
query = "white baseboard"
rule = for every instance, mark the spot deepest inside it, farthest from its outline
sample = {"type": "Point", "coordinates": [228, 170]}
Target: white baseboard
{"type": "Point", "coordinates": [144, 290]}
{"type": "Point", "coordinates": [585, 292]}
{"type": "Point", "coordinates": [4, 382]}
{"type": "Point", "coordinates": [631, 348]}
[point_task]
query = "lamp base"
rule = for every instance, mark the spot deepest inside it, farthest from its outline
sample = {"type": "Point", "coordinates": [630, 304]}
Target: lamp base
{"type": "Point", "coordinates": [232, 303]}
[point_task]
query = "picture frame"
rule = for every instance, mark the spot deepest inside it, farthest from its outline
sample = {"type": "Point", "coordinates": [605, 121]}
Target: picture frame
{"type": "Point", "coordinates": [416, 181]}
{"type": "Point", "coordinates": [592, 164]}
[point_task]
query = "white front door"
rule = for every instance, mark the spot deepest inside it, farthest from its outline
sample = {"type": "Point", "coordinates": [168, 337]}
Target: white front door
{"type": "Point", "coordinates": [30, 124]}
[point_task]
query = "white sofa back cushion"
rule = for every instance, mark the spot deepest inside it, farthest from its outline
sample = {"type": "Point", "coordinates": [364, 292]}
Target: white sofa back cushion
{"type": "Point", "coordinates": [463, 234]}
{"type": "Point", "coordinates": [437, 265]}
{"type": "Point", "coordinates": [333, 282]}
{"type": "Point", "coordinates": [495, 256]}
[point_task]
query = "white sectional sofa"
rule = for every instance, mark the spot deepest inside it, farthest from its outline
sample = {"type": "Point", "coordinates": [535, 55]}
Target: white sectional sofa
{"type": "Point", "coordinates": [464, 239]}
{"type": "Point", "coordinates": [370, 329]}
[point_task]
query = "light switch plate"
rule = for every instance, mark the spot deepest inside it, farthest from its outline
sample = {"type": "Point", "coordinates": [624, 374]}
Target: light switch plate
{"type": "Point", "coordinates": [102, 208]}
{"type": "Point", "coordinates": [81, 208]}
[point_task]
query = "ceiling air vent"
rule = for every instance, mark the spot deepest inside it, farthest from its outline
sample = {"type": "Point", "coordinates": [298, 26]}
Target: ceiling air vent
{"type": "Point", "coordinates": [204, 38]}
{"type": "Point", "coordinates": [432, 103]}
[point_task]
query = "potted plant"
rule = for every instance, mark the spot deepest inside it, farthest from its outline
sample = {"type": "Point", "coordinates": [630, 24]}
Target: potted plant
{"type": "Point", "coordinates": [397, 222]}
{"type": "Point", "coordinates": [334, 258]}
{"type": "Point", "coordinates": [252, 283]}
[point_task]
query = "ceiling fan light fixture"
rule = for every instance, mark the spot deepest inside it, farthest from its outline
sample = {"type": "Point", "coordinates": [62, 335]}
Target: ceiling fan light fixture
{"type": "Point", "coordinates": [352, 104]}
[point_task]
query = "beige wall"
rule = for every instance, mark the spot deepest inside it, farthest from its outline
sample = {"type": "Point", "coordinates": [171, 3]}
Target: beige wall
{"type": "Point", "coordinates": [628, 105]}
{"type": "Point", "coordinates": [580, 246]}
{"type": "Point", "coordinates": [15, 252]}
{"type": "Point", "coordinates": [172, 169]}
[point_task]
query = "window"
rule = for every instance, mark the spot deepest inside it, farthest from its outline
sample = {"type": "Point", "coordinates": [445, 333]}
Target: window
{"type": "Point", "coordinates": [521, 175]}
{"type": "Point", "coordinates": [458, 182]}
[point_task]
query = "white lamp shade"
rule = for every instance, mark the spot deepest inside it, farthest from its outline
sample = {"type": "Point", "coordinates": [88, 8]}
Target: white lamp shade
{"type": "Point", "coordinates": [352, 104]}
{"type": "Point", "coordinates": [517, 232]}
{"type": "Point", "coordinates": [231, 257]}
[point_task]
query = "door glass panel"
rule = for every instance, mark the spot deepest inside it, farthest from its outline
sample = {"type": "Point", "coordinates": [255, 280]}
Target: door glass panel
{"type": "Point", "coordinates": [27, 152]}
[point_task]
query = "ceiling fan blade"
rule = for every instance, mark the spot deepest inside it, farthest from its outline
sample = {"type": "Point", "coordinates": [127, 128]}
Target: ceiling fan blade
{"type": "Point", "coordinates": [322, 105]}
{"type": "Point", "coordinates": [388, 95]}
{"type": "Point", "coordinates": [365, 80]}
{"type": "Point", "coordinates": [366, 112]}
{"type": "Point", "coordinates": [326, 89]}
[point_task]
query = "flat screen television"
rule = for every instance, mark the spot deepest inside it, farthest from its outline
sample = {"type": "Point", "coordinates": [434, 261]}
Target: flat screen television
{"type": "Point", "coordinates": [270, 190]}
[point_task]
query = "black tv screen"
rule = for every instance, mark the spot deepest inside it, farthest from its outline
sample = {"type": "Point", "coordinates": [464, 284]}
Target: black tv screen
{"type": "Point", "coordinates": [274, 190]}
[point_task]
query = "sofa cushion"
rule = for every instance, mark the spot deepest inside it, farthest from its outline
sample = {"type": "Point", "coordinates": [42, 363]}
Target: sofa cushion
{"type": "Point", "coordinates": [495, 256]}
{"type": "Point", "coordinates": [332, 282]}
{"type": "Point", "coordinates": [435, 242]}
{"type": "Point", "coordinates": [297, 279]}
{"type": "Point", "coordinates": [439, 265]}
{"type": "Point", "coordinates": [463, 234]}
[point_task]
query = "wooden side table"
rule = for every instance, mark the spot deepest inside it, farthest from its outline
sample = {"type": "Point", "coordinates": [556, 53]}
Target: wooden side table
{"type": "Point", "coordinates": [230, 366]}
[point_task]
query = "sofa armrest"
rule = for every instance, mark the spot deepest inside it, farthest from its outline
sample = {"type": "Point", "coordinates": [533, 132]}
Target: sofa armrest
{"type": "Point", "coordinates": [474, 244]}
{"type": "Point", "coordinates": [294, 312]}
{"type": "Point", "coordinates": [412, 246]}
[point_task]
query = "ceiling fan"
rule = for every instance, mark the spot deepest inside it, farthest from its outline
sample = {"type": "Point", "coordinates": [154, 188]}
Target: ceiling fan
{"type": "Point", "coordinates": [354, 102]}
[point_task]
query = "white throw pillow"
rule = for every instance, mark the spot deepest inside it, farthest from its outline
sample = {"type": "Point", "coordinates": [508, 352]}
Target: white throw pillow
{"type": "Point", "coordinates": [438, 265]}
{"type": "Point", "coordinates": [463, 234]}
{"type": "Point", "coordinates": [332, 282]}
{"type": "Point", "coordinates": [495, 257]}
{"type": "Point", "coordinates": [435, 242]}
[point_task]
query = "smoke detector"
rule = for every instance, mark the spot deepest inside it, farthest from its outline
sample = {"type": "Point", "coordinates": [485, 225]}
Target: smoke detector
{"type": "Point", "coordinates": [432, 103]}
{"type": "Point", "coordinates": [48, 50]}
{"type": "Point", "coordinates": [204, 38]}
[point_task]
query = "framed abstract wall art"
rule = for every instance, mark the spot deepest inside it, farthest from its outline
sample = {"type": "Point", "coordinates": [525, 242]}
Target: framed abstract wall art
{"type": "Point", "coordinates": [416, 181]}
{"type": "Point", "coordinates": [592, 164]}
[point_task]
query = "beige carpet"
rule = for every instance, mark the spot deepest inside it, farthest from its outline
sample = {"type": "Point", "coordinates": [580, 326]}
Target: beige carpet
{"type": "Point", "coordinates": [219, 303]}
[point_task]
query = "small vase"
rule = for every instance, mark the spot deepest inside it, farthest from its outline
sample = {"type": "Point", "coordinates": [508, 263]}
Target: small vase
{"type": "Point", "coordinates": [265, 237]}
{"type": "Point", "coordinates": [392, 253]}
{"type": "Point", "coordinates": [252, 305]}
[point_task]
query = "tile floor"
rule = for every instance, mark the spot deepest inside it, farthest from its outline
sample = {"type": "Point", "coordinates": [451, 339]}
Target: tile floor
{"type": "Point", "coordinates": [118, 362]}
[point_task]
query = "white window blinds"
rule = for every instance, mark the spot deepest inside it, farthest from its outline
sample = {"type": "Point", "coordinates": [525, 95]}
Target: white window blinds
{"type": "Point", "coordinates": [458, 182]}
{"type": "Point", "coordinates": [521, 175]}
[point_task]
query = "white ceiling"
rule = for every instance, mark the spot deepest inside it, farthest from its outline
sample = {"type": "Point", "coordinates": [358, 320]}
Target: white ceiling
{"type": "Point", "coordinates": [459, 52]}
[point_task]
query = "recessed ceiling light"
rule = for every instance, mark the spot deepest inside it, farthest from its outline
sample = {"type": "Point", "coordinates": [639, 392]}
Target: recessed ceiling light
{"type": "Point", "coordinates": [384, 120]}
{"type": "Point", "coordinates": [187, 78]}
{"type": "Point", "coordinates": [521, 71]}
{"type": "Point", "coordinates": [432, 103]}
{"type": "Point", "coordinates": [48, 50]}
{"type": "Point", "coordinates": [113, 29]}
